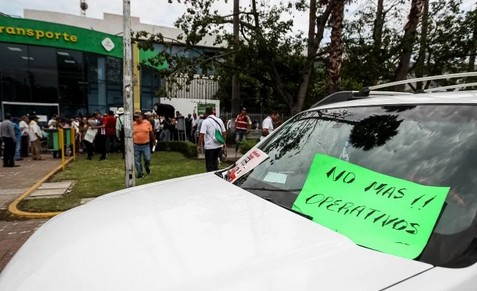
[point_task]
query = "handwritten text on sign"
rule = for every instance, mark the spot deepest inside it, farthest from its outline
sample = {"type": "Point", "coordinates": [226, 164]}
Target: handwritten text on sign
{"type": "Point", "coordinates": [374, 210]}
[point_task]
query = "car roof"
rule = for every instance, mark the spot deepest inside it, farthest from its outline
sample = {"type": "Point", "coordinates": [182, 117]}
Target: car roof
{"type": "Point", "coordinates": [455, 97]}
{"type": "Point", "coordinates": [369, 96]}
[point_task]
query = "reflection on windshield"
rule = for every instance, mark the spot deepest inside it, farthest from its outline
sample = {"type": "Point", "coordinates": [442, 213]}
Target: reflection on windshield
{"type": "Point", "coordinates": [432, 145]}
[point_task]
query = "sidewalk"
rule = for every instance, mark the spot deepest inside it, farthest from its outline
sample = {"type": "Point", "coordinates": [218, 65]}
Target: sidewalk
{"type": "Point", "coordinates": [15, 181]}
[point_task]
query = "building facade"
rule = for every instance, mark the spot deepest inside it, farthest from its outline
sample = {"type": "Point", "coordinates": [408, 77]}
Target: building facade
{"type": "Point", "coordinates": [74, 67]}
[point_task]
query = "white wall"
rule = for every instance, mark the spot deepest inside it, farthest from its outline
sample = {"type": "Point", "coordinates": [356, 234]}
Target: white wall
{"type": "Point", "coordinates": [112, 24]}
{"type": "Point", "coordinates": [186, 106]}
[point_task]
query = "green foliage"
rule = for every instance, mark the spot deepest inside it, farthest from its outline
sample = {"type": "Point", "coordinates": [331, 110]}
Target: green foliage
{"type": "Point", "coordinates": [272, 58]}
{"type": "Point", "coordinates": [187, 148]}
{"type": "Point", "coordinates": [448, 43]}
{"type": "Point", "coordinates": [269, 56]}
{"type": "Point", "coordinates": [247, 144]}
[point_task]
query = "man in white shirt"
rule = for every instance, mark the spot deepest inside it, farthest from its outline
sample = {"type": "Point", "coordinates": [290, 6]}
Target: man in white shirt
{"type": "Point", "coordinates": [267, 124]}
{"type": "Point", "coordinates": [212, 147]}
{"type": "Point", "coordinates": [25, 142]}
{"type": "Point", "coordinates": [35, 138]}
{"type": "Point", "coordinates": [7, 133]}
{"type": "Point", "coordinates": [53, 120]}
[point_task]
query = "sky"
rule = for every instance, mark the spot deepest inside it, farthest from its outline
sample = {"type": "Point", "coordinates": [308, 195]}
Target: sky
{"type": "Point", "coordinates": [156, 12]}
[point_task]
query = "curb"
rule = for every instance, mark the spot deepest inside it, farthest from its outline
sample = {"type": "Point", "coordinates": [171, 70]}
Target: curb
{"type": "Point", "coordinates": [12, 208]}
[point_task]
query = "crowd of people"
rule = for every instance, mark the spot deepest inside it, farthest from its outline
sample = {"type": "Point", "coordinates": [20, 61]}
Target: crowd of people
{"type": "Point", "coordinates": [19, 137]}
{"type": "Point", "coordinates": [104, 134]}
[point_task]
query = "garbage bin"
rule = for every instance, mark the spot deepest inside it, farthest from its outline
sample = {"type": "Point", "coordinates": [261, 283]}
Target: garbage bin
{"type": "Point", "coordinates": [67, 136]}
{"type": "Point", "coordinates": [52, 140]}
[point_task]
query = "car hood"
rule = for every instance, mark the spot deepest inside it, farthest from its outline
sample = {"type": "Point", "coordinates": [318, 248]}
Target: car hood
{"type": "Point", "coordinates": [195, 233]}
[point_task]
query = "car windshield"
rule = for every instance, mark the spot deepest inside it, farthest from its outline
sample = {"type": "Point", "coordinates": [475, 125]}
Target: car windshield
{"type": "Point", "coordinates": [432, 145]}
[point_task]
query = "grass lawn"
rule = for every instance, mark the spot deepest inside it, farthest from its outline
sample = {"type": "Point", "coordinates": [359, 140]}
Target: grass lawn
{"type": "Point", "coordinates": [95, 178]}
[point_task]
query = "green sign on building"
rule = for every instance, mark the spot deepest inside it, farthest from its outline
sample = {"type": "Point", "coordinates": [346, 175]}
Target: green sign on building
{"type": "Point", "coordinates": [26, 31]}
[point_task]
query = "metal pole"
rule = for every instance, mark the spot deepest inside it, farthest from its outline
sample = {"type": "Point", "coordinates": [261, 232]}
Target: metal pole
{"type": "Point", "coordinates": [128, 96]}
{"type": "Point", "coordinates": [235, 77]}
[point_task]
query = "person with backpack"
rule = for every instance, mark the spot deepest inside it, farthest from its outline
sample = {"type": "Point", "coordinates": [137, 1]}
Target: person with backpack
{"type": "Point", "coordinates": [212, 138]}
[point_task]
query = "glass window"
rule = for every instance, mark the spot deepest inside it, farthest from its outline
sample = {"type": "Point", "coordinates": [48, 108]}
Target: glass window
{"type": "Point", "coordinates": [44, 74]}
{"type": "Point", "coordinates": [114, 70]}
{"type": "Point", "coordinates": [115, 94]}
{"type": "Point", "coordinates": [72, 82]}
{"type": "Point", "coordinates": [91, 61]}
{"type": "Point", "coordinates": [430, 145]}
{"type": "Point", "coordinates": [149, 85]}
{"type": "Point", "coordinates": [14, 76]}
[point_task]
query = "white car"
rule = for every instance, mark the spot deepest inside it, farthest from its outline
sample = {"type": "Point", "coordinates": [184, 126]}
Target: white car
{"type": "Point", "coordinates": [376, 193]}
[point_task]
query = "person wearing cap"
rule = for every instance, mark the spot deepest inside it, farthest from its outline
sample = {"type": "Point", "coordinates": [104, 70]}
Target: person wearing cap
{"type": "Point", "coordinates": [142, 135]}
{"type": "Point", "coordinates": [35, 138]}
{"type": "Point", "coordinates": [242, 126]}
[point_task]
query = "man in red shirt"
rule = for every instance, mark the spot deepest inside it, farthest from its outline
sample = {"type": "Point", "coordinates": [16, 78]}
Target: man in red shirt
{"type": "Point", "coordinates": [242, 126]}
{"type": "Point", "coordinates": [110, 128]}
{"type": "Point", "coordinates": [142, 135]}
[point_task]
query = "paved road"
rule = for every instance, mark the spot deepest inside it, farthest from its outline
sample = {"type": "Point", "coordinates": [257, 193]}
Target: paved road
{"type": "Point", "coordinates": [13, 182]}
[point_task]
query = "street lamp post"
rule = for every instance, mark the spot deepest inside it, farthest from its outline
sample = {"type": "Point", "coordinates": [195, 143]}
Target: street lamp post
{"type": "Point", "coordinates": [128, 96]}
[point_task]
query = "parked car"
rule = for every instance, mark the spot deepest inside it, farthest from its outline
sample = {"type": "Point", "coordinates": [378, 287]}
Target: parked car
{"type": "Point", "coordinates": [372, 193]}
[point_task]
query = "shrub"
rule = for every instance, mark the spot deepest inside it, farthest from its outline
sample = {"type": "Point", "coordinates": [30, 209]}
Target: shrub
{"type": "Point", "coordinates": [230, 140]}
{"type": "Point", "coordinates": [187, 148]}
{"type": "Point", "coordinates": [246, 145]}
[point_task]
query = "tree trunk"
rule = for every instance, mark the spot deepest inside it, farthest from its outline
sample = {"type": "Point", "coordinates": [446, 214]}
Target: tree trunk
{"type": "Point", "coordinates": [422, 45]}
{"type": "Point", "coordinates": [377, 41]}
{"type": "Point", "coordinates": [407, 42]}
{"type": "Point", "coordinates": [473, 49]}
{"type": "Point", "coordinates": [315, 36]}
{"type": "Point", "coordinates": [336, 46]}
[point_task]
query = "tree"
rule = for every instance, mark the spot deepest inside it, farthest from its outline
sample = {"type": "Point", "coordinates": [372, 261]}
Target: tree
{"type": "Point", "coordinates": [422, 44]}
{"type": "Point", "coordinates": [410, 31]}
{"type": "Point", "coordinates": [269, 50]}
{"type": "Point", "coordinates": [336, 45]}
{"type": "Point", "coordinates": [442, 42]}
{"type": "Point", "coordinates": [471, 20]}
{"type": "Point", "coordinates": [371, 44]}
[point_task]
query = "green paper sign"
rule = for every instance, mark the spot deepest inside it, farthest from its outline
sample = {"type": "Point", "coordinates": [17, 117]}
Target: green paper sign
{"type": "Point", "coordinates": [374, 210]}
